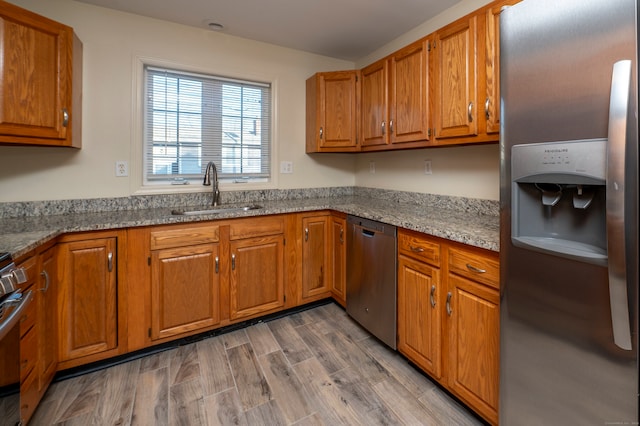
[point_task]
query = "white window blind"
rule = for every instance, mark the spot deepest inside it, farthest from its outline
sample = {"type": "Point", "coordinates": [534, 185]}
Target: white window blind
{"type": "Point", "coordinates": [191, 119]}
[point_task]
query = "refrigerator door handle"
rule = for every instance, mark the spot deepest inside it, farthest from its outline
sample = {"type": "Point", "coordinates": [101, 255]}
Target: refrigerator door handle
{"type": "Point", "coordinates": [616, 241]}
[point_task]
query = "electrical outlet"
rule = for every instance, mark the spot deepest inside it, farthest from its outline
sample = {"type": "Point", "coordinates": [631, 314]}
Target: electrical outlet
{"type": "Point", "coordinates": [122, 168]}
{"type": "Point", "coordinates": [372, 167]}
{"type": "Point", "coordinates": [427, 167]}
{"type": "Point", "coordinates": [286, 167]}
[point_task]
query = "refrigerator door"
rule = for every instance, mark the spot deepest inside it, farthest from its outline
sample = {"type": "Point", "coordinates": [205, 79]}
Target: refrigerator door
{"type": "Point", "coordinates": [569, 346]}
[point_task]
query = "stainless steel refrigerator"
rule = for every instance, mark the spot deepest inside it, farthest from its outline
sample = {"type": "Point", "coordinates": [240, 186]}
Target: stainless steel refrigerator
{"type": "Point", "coordinates": [569, 213]}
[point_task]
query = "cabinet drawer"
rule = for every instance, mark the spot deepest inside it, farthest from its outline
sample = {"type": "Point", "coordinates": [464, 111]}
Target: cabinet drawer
{"type": "Point", "coordinates": [184, 237]}
{"type": "Point", "coordinates": [475, 266]}
{"type": "Point", "coordinates": [28, 352]}
{"type": "Point", "coordinates": [414, 245]}
{"type": "Point", "coordinates": [256, 227]}
{"type": "Point", "coordinates": [29, 317]}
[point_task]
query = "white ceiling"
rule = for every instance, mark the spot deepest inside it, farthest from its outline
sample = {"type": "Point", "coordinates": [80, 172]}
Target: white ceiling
{"type": "Point", "coordinates": [343, 29]}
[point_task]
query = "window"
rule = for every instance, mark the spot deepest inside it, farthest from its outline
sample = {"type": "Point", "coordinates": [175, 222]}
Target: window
{"type": "Point", "coordinates": [191, 119]}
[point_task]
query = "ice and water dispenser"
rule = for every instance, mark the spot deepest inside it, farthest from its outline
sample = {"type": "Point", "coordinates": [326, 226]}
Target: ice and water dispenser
{"type": "Point", "coordinates": [559, 199]}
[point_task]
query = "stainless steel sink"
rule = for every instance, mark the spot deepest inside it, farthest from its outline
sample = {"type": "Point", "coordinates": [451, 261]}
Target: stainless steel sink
{"type": "Point", "coordinates": [217, 210]}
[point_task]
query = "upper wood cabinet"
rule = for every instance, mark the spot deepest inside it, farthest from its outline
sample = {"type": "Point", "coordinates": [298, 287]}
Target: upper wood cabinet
{"type": "Point", "coordinates": [395, 100]}
{"type": "Point", "coordinates": [409, 95]}
{"type": "Point", "coordinates": [332, 111]}
{"type": "Point", "coordinates": [456, 80]}
{"type": "Point", "coordinates": [374, 112]}
{"type": "Point", "coordinates": [40, 80]}
{"type": "Point", "coordinates": [492, 65]}
{"type": "Point", "coordinates": [443, 89]}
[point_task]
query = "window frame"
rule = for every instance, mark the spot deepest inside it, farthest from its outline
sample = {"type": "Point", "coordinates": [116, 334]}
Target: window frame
{"type": "Point", "coordinates": [139, 158]}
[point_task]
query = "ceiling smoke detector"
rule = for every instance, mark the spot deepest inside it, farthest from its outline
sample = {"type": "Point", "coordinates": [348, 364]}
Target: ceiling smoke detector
{"type": "Point", "coordinates": [214, 26]}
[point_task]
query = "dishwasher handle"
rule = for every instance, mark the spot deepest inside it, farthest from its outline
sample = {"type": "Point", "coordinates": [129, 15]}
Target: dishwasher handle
{"type": "Point", "coordinates": [368, 233]}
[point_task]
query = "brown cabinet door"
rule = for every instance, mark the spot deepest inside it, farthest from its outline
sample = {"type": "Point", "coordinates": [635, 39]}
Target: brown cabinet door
{"type": "Point", "coordinates": [47, 319]}
{"type": "Point", "coordinates": [338, 105]}
{"type": "Point", "coordinates": [374, 112]}
{"type": "Point", "coordinates": [491, 107]}
{"type": "Point", "coordinates": [456, 109]}
{"type": "Point", "coordinates": [87, 303]}
{"type": "Point", "coordinates": [473, 314]}
{"type": "Point", "coordinates": [185, 289]}
{"type": "Point", "coordinates": [35, 76]}
{"type": "Point", "coordinates": [315, 257]}
{"type": "Point", "coordinates": [339, 259]}
{"type": "Point", "coordinates": [409, 94]}
{"type": "Point", "coordinates": [257, 275]}
{"type": "Point", "coordinates": [419, 314]}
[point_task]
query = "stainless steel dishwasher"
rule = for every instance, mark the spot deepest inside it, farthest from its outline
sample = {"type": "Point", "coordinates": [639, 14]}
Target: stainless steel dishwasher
{"type": "Point", "coordinates": [371, 277]}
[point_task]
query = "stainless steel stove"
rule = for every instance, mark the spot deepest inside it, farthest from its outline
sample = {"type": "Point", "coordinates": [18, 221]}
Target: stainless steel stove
{"type": "Point", "coordinates": [12, 306]}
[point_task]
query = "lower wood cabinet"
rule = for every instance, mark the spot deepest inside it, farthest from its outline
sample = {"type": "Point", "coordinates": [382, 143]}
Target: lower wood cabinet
{"type": "Point", "coordinates": [38, 330]}
{"type": "Point", "coordinates": [473, 328]}
{"type": "Point", "coordinates": [88, 321]}
{"type": "Point", "coordinates": [257, 275]}
{"type": "Point", "coordinates": [316, 255]}
{"type": "Point", "coordinates": [184, 279]}
{"type": "Point", "coordinates": [46, 322]}
{"type": "Point", "coordinates": [185, 289]}
{"type": "Point", "coordinates": [419, 314]}
{"type": "Point", "coordinates": [449, 316]}
{"type": "Point", "coordinates": [257, 269]}
{"type": "Point", "coordinates": [338, 256]}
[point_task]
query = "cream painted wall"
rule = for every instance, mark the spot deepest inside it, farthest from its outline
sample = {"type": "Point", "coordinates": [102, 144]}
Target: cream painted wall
{"type": "Point", "coordinates": [114, 44]}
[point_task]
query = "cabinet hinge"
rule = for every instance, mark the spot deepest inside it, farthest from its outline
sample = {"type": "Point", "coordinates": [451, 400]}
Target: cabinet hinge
{"type": "Point", "coordinates": [429, 132]}
{"type": "Point", "coordinates": [149, 260]}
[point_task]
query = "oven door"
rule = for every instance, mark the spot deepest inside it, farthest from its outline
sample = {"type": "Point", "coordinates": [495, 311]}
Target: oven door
{"type": "Point", "coordinates": [11, 310]}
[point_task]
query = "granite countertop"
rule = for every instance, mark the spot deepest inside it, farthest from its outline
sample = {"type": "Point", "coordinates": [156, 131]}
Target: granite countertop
{"type": "Point", "coordinates": [19, 235]}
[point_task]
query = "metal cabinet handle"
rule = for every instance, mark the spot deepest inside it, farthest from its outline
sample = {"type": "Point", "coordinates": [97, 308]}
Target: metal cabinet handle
{"type": "Point", "coordinates": [321, 132]}
{"type": "Point", "coordinates": [233, 262]}
{"type": "Point", "coordinates": [65, 117]}
{"type": "Point", "coordinates": [47, 281]}
{"type": "Point", "coordinates": [416, 249]}
{"type": "Point", "coordinates": [470, 112]}
{"type": "Point", "coordinates": [476, 270]}
{"type": "Point", "coordinates": [390, 126]}
{"type": "Point", "coordinates": [449, 310]}
{"type": "Point", "coordinates": [306, 234]}
{"type": "Point", "coordinates": [110, 262]}
{"type": "Point", "coordinates": [217, 264]}
{"type": "Point", "coordinates": [486, 108]}
{"type": "Point", "coordinates": [432, 295]}
{"type": "Point", "coordinates": [383, 129]}
{"type": "Point", "coordinates": [341, 235]}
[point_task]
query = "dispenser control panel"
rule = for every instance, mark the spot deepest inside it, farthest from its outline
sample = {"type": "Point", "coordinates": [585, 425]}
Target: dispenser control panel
{"type": "Point", "coordinates": [560, 162]}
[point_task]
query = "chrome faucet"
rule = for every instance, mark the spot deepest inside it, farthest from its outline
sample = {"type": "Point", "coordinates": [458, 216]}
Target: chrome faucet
{"type": "Point", "coordinates": [211, 168]}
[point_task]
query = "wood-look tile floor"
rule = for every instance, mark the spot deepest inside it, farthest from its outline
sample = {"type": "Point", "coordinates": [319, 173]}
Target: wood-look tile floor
{"type": "Point", "coordinates": [315, 367]}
